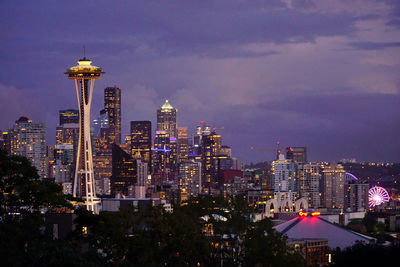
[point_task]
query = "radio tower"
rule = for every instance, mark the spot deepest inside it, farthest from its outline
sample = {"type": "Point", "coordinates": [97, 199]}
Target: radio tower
{"type": "Point", "coordinates": [84, 75]}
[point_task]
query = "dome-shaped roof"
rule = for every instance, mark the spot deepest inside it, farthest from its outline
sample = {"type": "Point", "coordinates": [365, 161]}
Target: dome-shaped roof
{"type": "Point", "coordinates": [167, 105]}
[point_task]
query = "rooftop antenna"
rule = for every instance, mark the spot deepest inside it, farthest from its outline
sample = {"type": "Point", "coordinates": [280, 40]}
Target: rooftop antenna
{"type": "Point", "coordinates": [84, 51]}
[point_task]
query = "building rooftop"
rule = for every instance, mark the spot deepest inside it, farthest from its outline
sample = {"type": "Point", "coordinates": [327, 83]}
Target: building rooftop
{"type": "Point", "coordinates": [317, 228]}
{"type": "Point", "coordinates": [84, 69]}
{"type": "Point", "coordinates": [167, 105]}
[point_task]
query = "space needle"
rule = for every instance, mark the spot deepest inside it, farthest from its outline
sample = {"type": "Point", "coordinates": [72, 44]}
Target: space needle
{"type": "Point", "coordinates": [84, 75]}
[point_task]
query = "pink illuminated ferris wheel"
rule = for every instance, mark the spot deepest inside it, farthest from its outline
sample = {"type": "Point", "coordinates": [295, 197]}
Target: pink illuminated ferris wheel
{"type": "Point", "coordinates": [377, 195]}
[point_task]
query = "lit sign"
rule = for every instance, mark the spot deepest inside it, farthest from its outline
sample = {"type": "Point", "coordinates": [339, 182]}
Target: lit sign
{"type": "Point", "coordinates": [314, 213]}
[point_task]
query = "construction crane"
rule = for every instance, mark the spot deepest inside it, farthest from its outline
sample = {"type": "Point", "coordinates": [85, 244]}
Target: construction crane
{"type": "Point", "coordinates": [277, 149]}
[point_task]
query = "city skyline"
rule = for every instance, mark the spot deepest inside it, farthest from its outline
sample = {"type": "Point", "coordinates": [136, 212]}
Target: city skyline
{"type": "Point", "coordinates": [311, 75]}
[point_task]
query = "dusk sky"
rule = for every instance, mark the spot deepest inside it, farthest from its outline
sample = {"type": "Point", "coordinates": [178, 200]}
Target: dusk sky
{"type": "Point", "coordinates": [318, 73]}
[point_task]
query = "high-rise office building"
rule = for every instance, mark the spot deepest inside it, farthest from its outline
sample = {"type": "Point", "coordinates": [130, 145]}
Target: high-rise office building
{"type": "Point", "coordinates": [84, 75]}
{"type": "Point", "coordinates": [124, 171]}
{"type": "Point", "coordinates": [297, 154]}
{"type": "Point", "coordinates": [66, 148]}
{"type": "Point", "coordinates": [100, 123]}
{"type": "Point", "coordinates": [140, 140]}
{"type": "Point", "coordinates": [183, 143]}
{"type": "Point", "coordinates": [332, 186]}
{"type": "Point", "coordinates": [28, 139]}
{"type": "Point", "coordinates": [69, 116]}
{"type": "Point", "coordinates": [102, 165]}
{"type": "Point", "coordinates": [112, 105]}
{"type": "Point", "coordinates": [166, 119]}
{"type": "Point", "coordinates": [164, 155]}
{"type": "Point", "coordinates": [211, 148]}
{"type": "Point", "coordinates": [202, 130]}
{"type": "Point", "coordinates": [356, 196]}
{"type": "Point", "coordinates": [308, 179]}
{"type": "Point", "coordinates": [189, 178]}
{"type": "Point", "coordinates": [283, 175]}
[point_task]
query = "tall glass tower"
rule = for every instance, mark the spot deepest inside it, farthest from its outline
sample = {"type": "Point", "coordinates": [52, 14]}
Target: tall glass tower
{"type": "Point", "coordinates": [84, 75]}
{"type": "Point", "coordinates": [166, 119]}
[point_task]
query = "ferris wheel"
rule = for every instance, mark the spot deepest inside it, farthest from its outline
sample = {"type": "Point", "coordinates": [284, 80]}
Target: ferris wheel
{"type": "Point", "coordinates": [377, 196]}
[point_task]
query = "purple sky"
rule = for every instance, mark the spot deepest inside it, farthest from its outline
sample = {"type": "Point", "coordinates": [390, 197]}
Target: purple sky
{"type": "Point", "coordinates": [322, 74]}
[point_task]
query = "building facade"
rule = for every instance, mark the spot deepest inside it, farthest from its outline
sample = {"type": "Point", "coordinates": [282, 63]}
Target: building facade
{"type": "Point", "coordinates": [283, 175]}
{"type": "Point", "coordinates": [167, 119]}
{"type": "Point", "coordinates": [211, 148]}
{"type": "Point", "coordinates": [112, 105]}
{"type": "Point", "coordinates": [356, 198]}
{"type": "Point", "coordinates": [189, 178]}
{"type": "Point", "coordinates": [308, 179]}
{"type": "Point", "coordinates": [332, 186]}
{"type": "Point", "coordinates": [140, 141]}
{"type": "Point", "coordinates": [28, 139]}
{"type": "Point", "coordinates": [183, 143]}
{"type": "Point", "coordinates": [124, 172]}
{"type": "Point", "coordinates": [297, 154]}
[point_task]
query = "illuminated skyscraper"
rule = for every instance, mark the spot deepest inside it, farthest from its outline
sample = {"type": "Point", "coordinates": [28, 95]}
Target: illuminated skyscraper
{"type": "Point", "coordinates": [189, 178]}
{"type": "Point", "coordinates": [332, 186]}
{"type": "Point", "coordinates": [166, 119]}
{"type": "Point", "coordinates": [124, 171]}
{"type": "Point", "coordinates": [112, 105]}
{"type": "Point", "coordinates": [28, 139]}
{"type": "Point", "coordinates": [183, 143]}
{"type": "Point", "coordinates": [84, 75]}
{"type": "Point", "coordinates": [100, 123]}
{"type": "Point", "coordinates": [211, 148]}
{"type": "Point", "coordinates": [308, 179]}
{"type": "Point", "coordinates": [69, 116]}
{"type": "Point", "coordinates": [141, 141]}
{"type": "Point", "coordinates": [283, 175]}
{"type": "Point", "coordinates": [201, 130]}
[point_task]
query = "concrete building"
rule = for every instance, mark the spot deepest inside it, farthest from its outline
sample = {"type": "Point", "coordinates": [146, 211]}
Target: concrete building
{"type": "Point", "coordinates": [189, 178]}
{"type": "Point", "coordinates": [28, 139]}
{"type": "Point", "coordinates": [332, 186]}
{"type": "Point", "coordinates": [308, 179]}
{"type": "Point", "coordinates": [356, 198]}
{"type": "Point", "coordinates": [283, 175]}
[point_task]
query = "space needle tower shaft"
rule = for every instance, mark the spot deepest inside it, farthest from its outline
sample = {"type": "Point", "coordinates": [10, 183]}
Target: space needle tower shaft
{"type": "Point", "coordinates": [84, 75]}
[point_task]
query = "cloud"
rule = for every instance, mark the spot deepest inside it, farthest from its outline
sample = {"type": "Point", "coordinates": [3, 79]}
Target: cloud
{"type": "Point", "coordinates": [16, 103]}
{"type": "Point", "coordinates": [374, 45]}
{"type": "Point", "coordinates": [293, 71]}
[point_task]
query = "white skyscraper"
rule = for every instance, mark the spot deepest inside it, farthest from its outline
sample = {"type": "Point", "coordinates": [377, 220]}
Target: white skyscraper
{"type": "Point", "coordinates": [28, 139]}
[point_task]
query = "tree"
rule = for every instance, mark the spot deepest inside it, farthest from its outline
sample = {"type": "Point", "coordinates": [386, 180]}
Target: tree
{"type": "Point", "coordinates": [25, 239]}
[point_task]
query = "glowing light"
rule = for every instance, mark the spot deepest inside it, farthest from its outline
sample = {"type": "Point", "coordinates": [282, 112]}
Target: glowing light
{"type": "Point", "coordinates": [301, 213]}
{"type": "Point", "coordinates": [316, 213]}
{"type": "Point", "coordinates": [377, 196]}
{"type": "Point", "coordinates": [351, 176]}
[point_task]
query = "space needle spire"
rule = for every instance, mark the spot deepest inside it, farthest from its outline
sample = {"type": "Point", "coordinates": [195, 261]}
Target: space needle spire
{"type": "Point", "coordinates": [84, 75]}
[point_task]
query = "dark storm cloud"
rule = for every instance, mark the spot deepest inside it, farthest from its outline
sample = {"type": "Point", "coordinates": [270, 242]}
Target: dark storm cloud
{"type": "Point", "coordinates": [229, 62]}
{"type": "Point", "coordinates": [330, 125]}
